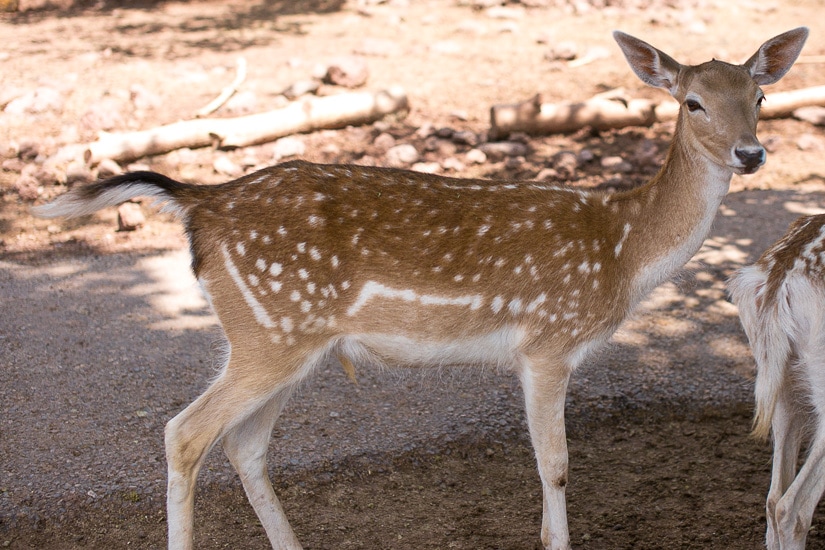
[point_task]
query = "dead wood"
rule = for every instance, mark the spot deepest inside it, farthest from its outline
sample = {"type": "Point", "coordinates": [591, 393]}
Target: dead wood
{"type": "Point", "coordinates": [612, 110]}
{"type": "Point", "coordinates": [306, 115]}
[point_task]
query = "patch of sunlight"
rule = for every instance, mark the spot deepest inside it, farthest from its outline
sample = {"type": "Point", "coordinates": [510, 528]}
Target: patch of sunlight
{"type": "Point", "coordinates": [173, 292]}
{"type": "Point", "coordinates": [806, 208]}
{"type": "Point", "coordinates": [730, 347]}
{"type": "Point", "coordinates": [726, 210]}
{"type": "Point", "coordinates": [720, 251]}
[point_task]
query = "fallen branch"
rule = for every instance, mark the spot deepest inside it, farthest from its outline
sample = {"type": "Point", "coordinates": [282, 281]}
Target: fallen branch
{"type": "Point", "coordinates": [306, 115]}
{"type": "Point", "coordinates": [610, 111]}
{"type": "Point", "coordinates": [227, 92]}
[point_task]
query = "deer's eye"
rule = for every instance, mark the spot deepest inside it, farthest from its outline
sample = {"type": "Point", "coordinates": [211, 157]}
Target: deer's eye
{"type": "Point", "coordinates": [693, 105]}
{"type": "Point", "coordinates": [760, 101]}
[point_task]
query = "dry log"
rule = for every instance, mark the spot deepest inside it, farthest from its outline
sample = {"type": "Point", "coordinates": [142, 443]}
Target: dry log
{"type": "Point", "coordinates": [609, 111]}
{"type": "Point", "coordinates": [309, 114]}
{"type": "Point", "coordinates": [536, 118]}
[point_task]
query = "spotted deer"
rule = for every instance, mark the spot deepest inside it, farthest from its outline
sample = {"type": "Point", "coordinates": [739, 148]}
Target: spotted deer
{"type": "Point", "coordinates": [781, 300]}
{"type": "Point", "coordinates": [304, 263]}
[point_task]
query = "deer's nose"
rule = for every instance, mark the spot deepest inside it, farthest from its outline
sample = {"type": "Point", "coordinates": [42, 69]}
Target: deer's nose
{"type": "Point", "coordinates": [751, 157]}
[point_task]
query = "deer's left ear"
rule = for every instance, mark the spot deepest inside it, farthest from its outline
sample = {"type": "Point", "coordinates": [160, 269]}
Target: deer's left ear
{"type": "Point", "coordinates": [776, 56]}
{"type": "Point", "coordinates": [653, 66]}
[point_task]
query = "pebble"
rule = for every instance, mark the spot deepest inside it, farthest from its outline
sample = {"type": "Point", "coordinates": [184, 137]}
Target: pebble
{"type": "Point", "coordinates": [402, 155]}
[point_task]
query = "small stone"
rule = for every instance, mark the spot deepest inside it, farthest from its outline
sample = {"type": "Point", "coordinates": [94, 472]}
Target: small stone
{"type": "Point", "coordinates": [426, 167]}
{"type": "Point", "coordinates": [350, 72]}
{"type": "Point", "coordinates": [302, 87]}
{"type": "Point", "coordinates": [476, 156]}
{"type": "Point", "coordinates": [384, 142]}
{"type": "Point", "coordinates": [129, 216]}
{"type": "Point", "coordinates": [452, 163]}
{"type": "Point", "coordinates": [501, 149]}
{"type": "Point", "coordinates": [289, 146]}
{"type": "Point", "coordinates": [108, 168]}
{"type": "Point", "coordinates": [465, 137]}
{"type": "Point", "coordinates": [402, 155]}
{"type": "Point", "coordinates": [225, 165]}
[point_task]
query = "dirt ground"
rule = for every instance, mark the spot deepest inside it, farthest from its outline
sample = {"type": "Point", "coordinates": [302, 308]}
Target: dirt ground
{"type": "Point", "coordinates": [103, 337]}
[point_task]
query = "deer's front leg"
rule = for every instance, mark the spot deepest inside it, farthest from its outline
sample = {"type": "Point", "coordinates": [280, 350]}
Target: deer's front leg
{"type": "Point", "coordinates": [545, 387]}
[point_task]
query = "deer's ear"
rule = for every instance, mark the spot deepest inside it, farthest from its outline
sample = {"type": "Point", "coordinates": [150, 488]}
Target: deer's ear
{"type": "Point", "coordinates": [775, 57]}
{"type": "Point", "coordinates": [653, 66]}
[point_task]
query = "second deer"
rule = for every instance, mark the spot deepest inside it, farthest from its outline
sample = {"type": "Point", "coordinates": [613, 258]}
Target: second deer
{"type": "Point", "coordinates": [781, 300]}
{"type": "Point", "coordinates": [304, 263]}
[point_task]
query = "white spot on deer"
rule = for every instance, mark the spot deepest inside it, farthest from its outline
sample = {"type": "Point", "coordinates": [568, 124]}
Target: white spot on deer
{"type": "Point", "coordinates": [240, 248]}
{"type": "Point", "coordinates": [373, 290]}
{"type": "Point", "coordinates": [275, 286]}
{"type": "Point", "coordinates": [476, 277]}
{"type": "Point", "coordinates": [345, 285]}
{"type": "Point", "coordinates": [261, 316]}
{"type": "Point", "coordinates": [618, 249]}
{"type": "Point", "coordinates": [310, 288]}
{"type": "Point", "coordinates": [482, 230]}
{"type": "Point", "coordinates": [253, 235]}
{"type": "Point", "coordinates": [458, 278]}
{"type": "Point", "coordinates": [305, 306]}
{"type": "Point", "coordinates": [275, 269]}
{"type": "Point", "coordinates": [282, 231]}
{"type": "Point", "coordinates": [253, 279]}
{"type": "Point", "coordinates": [295, 296]}
{"type": "Point", "coordinates": [547, 224]}
{"type": "Point", "coordinates": [334, 261]}
{"type": "Point", "coordinates": [314, 254]}
{"type": "Point", "coordinates": [532, 306]}
{"type": "Point", "coordinates": [260, 263]}
{"type": "Point", "coordinates": [515, 306]}
{"type": "Point", "coordinates": [303, 274]}
{"type": "Point", "coordinates": [500, 262]}
{"type": "Point", "coordinates": [517, 270]}
{"type": "Point", "coordinates": [584, 267]}
{"type": "Point", "coordinates": [597, 267]}
{"type": "Point", "coordinates": [315, 221]}
{"type": "Point", "coordinates": [286, 324]}
{"type": "Point", "coordinates": [266, 239]}
{"type": "Point", "coordinates": [302, 247]}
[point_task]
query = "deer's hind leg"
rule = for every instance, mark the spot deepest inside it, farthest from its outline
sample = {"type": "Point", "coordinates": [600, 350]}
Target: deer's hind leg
{"type": "Point", "coordinates": [241, 406]}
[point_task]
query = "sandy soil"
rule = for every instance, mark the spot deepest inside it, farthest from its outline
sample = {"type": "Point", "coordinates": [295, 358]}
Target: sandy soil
{"type": "Point", "coordinates": [103, 336]}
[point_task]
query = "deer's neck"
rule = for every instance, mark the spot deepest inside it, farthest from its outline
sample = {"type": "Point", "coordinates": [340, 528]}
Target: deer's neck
{"type": "Point", "coordinates": [679, 203]}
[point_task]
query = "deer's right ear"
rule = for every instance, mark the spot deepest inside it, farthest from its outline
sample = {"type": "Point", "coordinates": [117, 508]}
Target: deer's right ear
{"type": "Point", "coordinates": [653, 66]}
{"type": "Point", "coordinates": [774, 58]}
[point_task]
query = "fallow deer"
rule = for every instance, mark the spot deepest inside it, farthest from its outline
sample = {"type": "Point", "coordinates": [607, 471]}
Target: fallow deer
{"type": "Point", "coordinates": [304, 263]}
{"type": "Point", "coordinates": [781, 300]}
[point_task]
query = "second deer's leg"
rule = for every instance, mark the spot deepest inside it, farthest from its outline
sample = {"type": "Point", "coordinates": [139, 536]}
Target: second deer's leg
{"type": "Point", "coordinates": [545, 387]}
{"type": "Point", "coordinates": [246, 446]}
{"type": "Point", "coordinates": [795, 509]}
{"type": "Point", "coordinates": [786, 427]}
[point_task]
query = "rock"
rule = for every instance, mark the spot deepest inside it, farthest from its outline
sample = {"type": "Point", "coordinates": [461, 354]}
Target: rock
{"type": "Point", "coordinates": [225, 165]}
{"type": "Point", "coordinates": [108, 168]}
{"type": "Point", "coordinates": [452, 163]}
{"type": "Point", "coordinates": [78, 172]}
{"type": "Point", "coordinates": [501, 149]}
{"type": "Point", "coordinates": [465, 137]}
{"type": "Point", "coordinates": [476, 156]}
{"type": "Point", "coordinates": [288, 146]}
{"type": "Point", "coordinates": [39, 100]}
{"type": "Point", "coordinates": [547, 174]}
{"type": "Point", "coordinates": [350, 72]}
{"type": "Point", "coordinates": [27, 150]}
{"type": "Point", "coordinates": [810, 142]}
{"type": "Point", "coordinates": [401, 155]}
{"type": "Point", "coordinates": [426, 167]}
{"type": "Point", "coordinates": [302, 87]}
{"type": "Point", "coordinates": [565, 162]}
{"type": "Point", "coordinates": [384, 142]}
{"type": "Point", "coordinates": [616, 164]}
{"type": "Point", "coordinates": [563, 51]}
{"type": "Point", "coordinates": [129, 216]}
{"type": "Point", "coordinates": [27, 187]}
{"type": "Point", "coordinates": [813, 114]}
